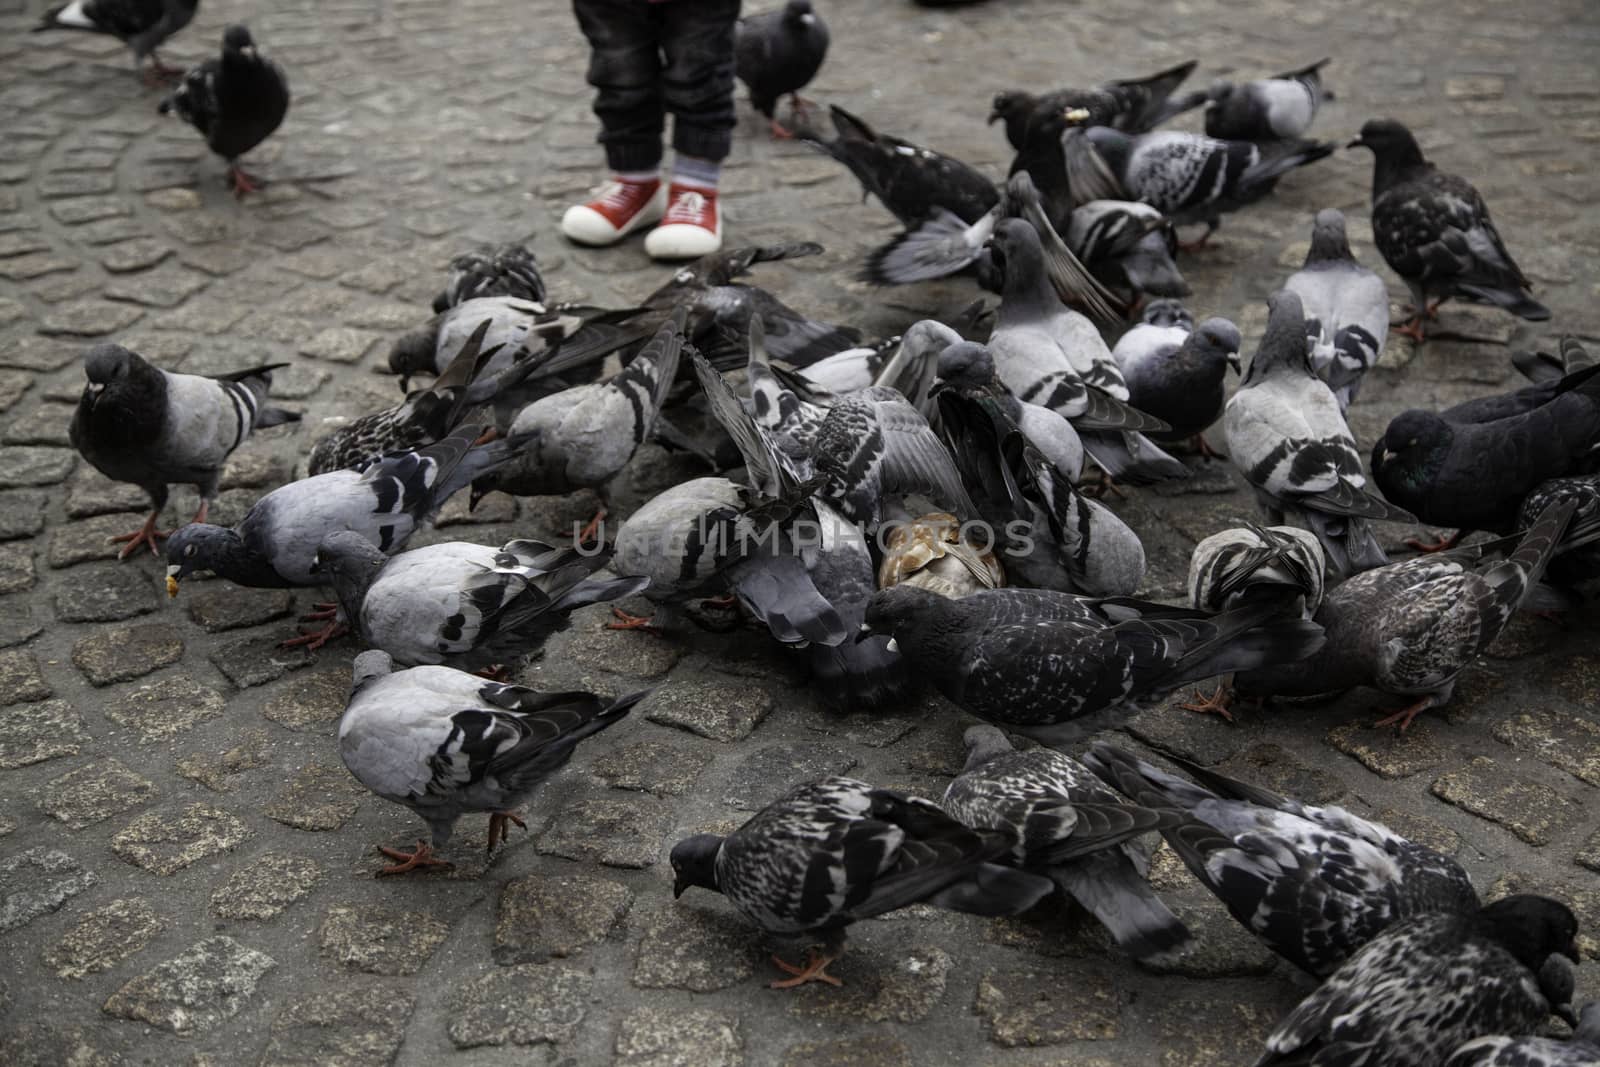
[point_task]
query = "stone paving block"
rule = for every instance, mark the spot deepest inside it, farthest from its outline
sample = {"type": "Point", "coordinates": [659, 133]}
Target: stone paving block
{"type": "Point", "coordinates": [104, 938]}
{"type": "Point", "coordinates": [21, 678]}
{"type": "Point", "coordinates": [375, 939]}
{"type": "Point", "coordinates": [320, 797]}
{"type": "Point", "coordinates": [630, 652]}
{"type": "Point", "coordinates": [166, 843]}
{"type": "Point", "coordinates": [870, 1050]}
{"type": "Point", "coordinates": [88, 318]}
{"type": "Point", "coordinates": [1570, 742]}
{"type": "Point", "coordinates": [163, 709]}
{"type": "Point", "coordinates": [47, 1043]}
{"type": "Point", "coordinates": [94, 792]}
{"type": "Point", "coordinates": [544, 916]}
{"type": "Point", "coordinates": [1488, 790]}
{"type": "Point", "coordinates": [902, 986]}
{"type": "Point", "coordinates": [252, 661]}
{"type": "Point", "coordinates": [651, 767]}
{"type": "Point", "coordinates": [216, 610]}
{"type": "Point", "coordinates": [524, 1005]}
{"type": "Point", "coordinates": [195, 991]}
{"type": "Point", "coordinates": [16, 568]}
{"type": "Point", "coordinates": [22, 465]}
{"type": "Point", "coordinates": [90, 540]}
{"type": "Point", "coordinates": [264, 887]}
{"type": "Point", "coordinates": [126, 653]}
{"type": "Point", "coordinates": [345, 1027]}
{"type": "Point", "coordinates": [217, 770]}
{"type": "Point", "coordinates": [105, 592]}
{"type": "Point", "coordinates": [723, 711]}
{"type": "Point", "coordinates": [1274, 767]}
{"type": "Point", "coordinates": [1385, 753]}
{"type": "Point", "coordinates": [770, 772]}
{"type": "Point", "coordinates": [657, 1037]}
{"type": "Point", "coordinates": [43, 730]}
{"type": "Point", "coordinates": [36, 882]}
{"type": "Point", "coordinates": [1027, 1008]}
{"type": "Point", "coordinates": [616, 831]}
{"type": "Point", "coordinates": [701, 951]}
{"type": "Point", "coordinates": [1202, 1033]}
{"type": "Point", "coordinates": [311, 702]}
{"type": "Point", "coordinates": [22, 513]}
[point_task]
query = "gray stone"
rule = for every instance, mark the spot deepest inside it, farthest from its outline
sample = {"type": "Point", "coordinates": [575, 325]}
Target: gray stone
{"type": "Point", "coordinates": [93, 793]}
{"type": "Point", "coordinates": [377, 940]}
{"type": "Point", "coordinates": [1531, 811]}
{"type": "Point", "coordinates": [672, 1037]}
{"type": "Point", "coordinates": [616, 831]}
{"type": "Point", "coordinates": [92, 493]}
{"type": "Point", "coordinates": [105, 593]}
{"type": "Point", "coordinates": [768, 773]}
{"type": "Point", "coordinates": [90, 540]}
{"type": "Point", "coordinates": [161, 710]}
{"type": "Point", "coordinates": [253, 661]}
{"type": "Point", "coordinates": [360, 1026]}
{"type": "Point", "coordinates": [544, 916]}
{"type": "Point", "coordinates": [49, 1044]}
{"type": "Point", "coordinates": [36, 882]}
{"type": "Point", "coordinates": [22, 513]}
{"type": "Point", "coordinates": [13, 384]}
{"type": "Point", "coordinates": [166, 843]}
{"type": "Point", "coordinates": [34, 465]}
{"type": "Point", "coordinates": [105, 938]}
{"type": "Point", "coordinates": [869, 1050]}
{"type": "Point", "coordinates": [88, 318]}
{"type": "Point", "coordinates": [43, 730]}
{"type": "Point", "coordinates": [702, 951]}
{"type": "Point", "coordinates": [16, 568]}
{"type": "Point", "coordinates": [216, 771]}
{"type": "Point", "coordinates": [525, 1005]}
{"type": "Point", "coordinates": [320, 797]}
{"type": "Point", "coordinates": [723, 711]}
{"type": "Point", "coordinates": [196, 991]}
{"type": "Point", "coordinates": [216, 610]}
{"type": "Point", "coordinates": [652, 767]}
{"type": "Point", "coordinates": [1202, 1033]}
{"type": "Point", "coordinates": [1569, 742]}
{"type": "Point", "coordinates": [634, 653]}
{"type": "Point", "coordinates": [1274, 767]}
{"type": "Point", "coordinates": [44, 425]}
{"type": "Point", "coordinates": [1027, 1008]}
{"type": "Point", "coordinates": [1386, 753]}
{"type": "Point", "coordinates": [310, 702]}
{"type": "Point", "coordinates": [262, 888]}
{"type": "Point", "coordinates": [21, 679]}
{"type": "Point", "coordinates": [339, 344]}
{"type": "Point", "coordinates": [126, 653]}
{"type": "Point", "coordinates": [903, 987]}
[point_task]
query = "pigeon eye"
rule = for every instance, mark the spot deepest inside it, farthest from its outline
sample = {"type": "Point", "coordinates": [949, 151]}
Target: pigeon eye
{"type": "Point", "coordinates": [1411, 442]}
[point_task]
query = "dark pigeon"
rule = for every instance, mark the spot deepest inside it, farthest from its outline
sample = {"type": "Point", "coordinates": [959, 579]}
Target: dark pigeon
{"type": "Point", "coordinates": [1272, 109]}
{"type": "Point", "coordinates": [143, 25]}
{"type": "Point", "coordinates": [833, 852]}
{"type": "Point", "coordinates": [1581, 1050]}
{"type": "Point", "coordinates": [140, 424]}
{"type": "Point", "coordinates": [1127, 245]}
{"type": "Point", "coordinates": [778, 53]}
{"type": "Point", "coordinates": [1346, 308]}
{"type": "Point", "coordinates": [236, 102]}
{"type": "Point", "coordinates": [1540, 367]}
{"type": "Point", "coordinates": [1178, 373]}
{"type": "Point", "coordinates": [504, 270]}
{"type": "Point", "coordinates": [1434, 230]}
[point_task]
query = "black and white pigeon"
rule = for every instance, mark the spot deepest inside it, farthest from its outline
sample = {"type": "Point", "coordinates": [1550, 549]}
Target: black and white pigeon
{"type": "Point", "coordinates": [832, 852]}
{"type": "Point", "coordinates": [426, 415]}
{"type": "Point", "coordinates": [446, 743]}
{"type": "Point", "coordinates": [1314, 884]}
{"type": "Point", "coordinates": [582, 437]}
{"type": "Point", "coordinates": [968, 368]}
{"type": "Point", "coordinates": [143, 25]}
{"type": "Point", "coordinates": [1346, 308]}
{"type": "Point", "coordinates": [1127, 245]}
{"type": "Point", "coordinates": [509, 269]}
{"type": "Point", "coordinates": [908, 364]}
{"type": "Point", "coordinates": [1288, 438]}
{"type": "Point", "coordinates": [460, 604]}
{"type": "Point", "coordinates": [1240, 565]}
{"type": "Point", "coordinates": [1434, 230]}
{"type": "Point", "coordinates": [1055, 667]}
{"type": "Point", "coordinates": [1278, 108]}
{"type": "Point", "coordinates": [235, 101]}
{"type": "Point", "coordinates": [1422, 988]}
{"type": "Point", "coordinates": [1177, 371]}
{"type": "Point", "coordinates": [1048, 354]}
{"type": "Point", "coordinates": [1577, 556]}
{"type": "Point", "coordinates": [1472, 465]}
{"type": "Point", "coordinates": [778, 53]}
{"type": "Point", "coordinates": [1582, 1049]}
{"type": "Point", "coordinates": [140, 424]}
{"type": "Point", "coordinates": [1070, 826]}
{"type": "Point", "coordinates": [1192, 178]}
{"type": "Point", "coordinates": [1410, 628]}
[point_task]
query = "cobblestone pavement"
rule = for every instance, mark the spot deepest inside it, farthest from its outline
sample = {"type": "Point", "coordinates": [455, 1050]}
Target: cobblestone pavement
{"type": "Point", "coordinates": [185, 867]}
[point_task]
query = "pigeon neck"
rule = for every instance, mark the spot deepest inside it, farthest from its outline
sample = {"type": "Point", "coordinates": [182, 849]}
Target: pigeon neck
{"type": "Point", "coordinates": [1396, 164]}
{"type": "Point", "coordinates": [228, 556]}
{"type": "Point", "coordinates": [130, 412]}
{"type": "Point", "coordinates": [1328, 246]}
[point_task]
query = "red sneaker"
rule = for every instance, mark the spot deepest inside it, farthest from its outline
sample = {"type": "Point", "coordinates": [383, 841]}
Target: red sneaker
{"type": "Point", "coordinates": [692, 226]}
{"type": "Point", "coordinates": [617, 209]}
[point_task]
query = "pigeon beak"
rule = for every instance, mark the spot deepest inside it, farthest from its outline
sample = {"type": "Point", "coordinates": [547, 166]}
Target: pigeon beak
{"type": "Point", "coordinates": [1357, 143]}
{"type": "Point", "coordinates": [1571, 952]}
{"type": "Point", "coordinates": [172, 583]}
{"type": "Point", "coordinates": [1565, 1013]}
{"type": "Point", "coordinates": [677, 888]}
{"type": "Point", "coordinates": [994, 117]}
{"type": "Point", "coordinates": [1388, 456]}
{"type": "Point", "coordinates": [1233, 361]}
{"type": "Point", "coordinates": [249, 51]}
{"type": "Point", "coordinates": [808, 19]}
{"type": "Point", "coordinates": [96, 388]}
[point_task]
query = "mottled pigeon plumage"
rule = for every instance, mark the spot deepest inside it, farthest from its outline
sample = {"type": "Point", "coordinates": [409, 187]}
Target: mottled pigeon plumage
{"type": "Point", "coordinates": [1581, 1050]}
{"type": "Point", "coordinates": [505, 270]}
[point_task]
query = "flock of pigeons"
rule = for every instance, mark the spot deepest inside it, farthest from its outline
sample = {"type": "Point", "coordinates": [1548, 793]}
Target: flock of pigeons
{"type": "Point", "coordinates": [911, 511]}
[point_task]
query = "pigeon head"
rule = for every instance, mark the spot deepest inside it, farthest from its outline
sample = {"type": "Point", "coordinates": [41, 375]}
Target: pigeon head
{"type": "Point", "coordinates": [694, 863]}
{"type": "Point", "coordinates": [373, 663]}
{"type": "Point", "coordinates": [799, 11]}
{"type": "Point", "coordinates": [108, 366]}
{"type": "Point", "coordinates": [236, 40]}
{"type": "Point", "coordinates": [412, 354]}
{"type": "Point", "coordinates": [901, 608]}
{"type": "Point", "coordinates": [925, 338]}
{"type": "Point", "coordinates": [1013, 107]}
{"type": "Point", "coordinates": [966, 365]}
{"type": "Point", "coordinates": [1217, 92]}
{"type": "Point", "coordinates": [1531, 928]}
{"type": "Point", "coordinates": [1558, 981]}
{"type": "Point", "coordinates": [1394, 151]}
{"type": "Point", "coordinates": [1017, 255]}
{"type": "Point", "coordinates": [1409, 452]}
{"type": "Point", "coordinates": [1329, 243]}
{"type": "Point", "coordinates": [1167, 313]}
{"type": "Point", "coordinates": [200, 546]}
{"type": "Point", "coordinates": [1218, 340]}
{"type": "Point", "coordinates": [984, 743]}
{"type": "Point", "coordinates": [347, 558]}
{"type": "Point", "coordinates": [1284, 342]}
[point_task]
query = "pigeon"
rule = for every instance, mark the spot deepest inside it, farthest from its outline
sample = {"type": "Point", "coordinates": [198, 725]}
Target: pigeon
{"type": "Point", "coordinates": [1434, 230]}
{"type": "Point", "coordinates": [1055, 667]}
{"type": "Point", "coordinates": [460, 604]}
{"type": "Point", "coordinates": [1314, 884]}
{"type": "Point", "coordinates": [1472, 465]}
{"type": "Point", "coordinates": [1410, 628]}
{"type": "Point", "coordinates": [1346, 308]}
{"type": "Point", "coordinates": [1191, 178]}
{"type": "Point", "coordinates": [778, 52]}
{"type": "Point", "coordinates": [143, 25]}
{"type": "Point", "coordinates": [425, 416]}
{"type": "Point", "coordinates": [275, 545]}
{"type": "Point", "coordinates": [1177, 372]}
{"type": "Point", "coordinates": [831, 852]}
{"type": "Point", "coordinates": [580, 438]}
{"type": "Point", "coordinates": [1541, 367]}
{"type": "Point", "coordinates": [444, 743]}
{"type": "Point", "coordinates": [140, 424]}
{"type": "Point", "coordinates": [968, 368]}
{"type": "Point", "coordinates": [1049, 355]}
{"type": "Point", "coordinates": [1290, 441]}
{"type": "Point", "coordinates": [1424, 987]}
{"type": "Point", "coordinates": [1576, 559]}
{"type": "Point", "coordinates": [907, 363]}
{"type": "Point", "coordinates": [236, 102]}
{"type": "Point", "coordinates": [1070, 826]}
{"type": "Point", "coordinates": [1279, 108]}
{"type": "Point", "coordinates": [504, 270]}
{"type": "Point", "coordinates": [939, 552]}
{"type": "Point", "coordinates": [1582, 1050]}
{"type": "Point", "coordinates": [1127, 245]}
{"type": "Point", "coordinates": [1239, 566]}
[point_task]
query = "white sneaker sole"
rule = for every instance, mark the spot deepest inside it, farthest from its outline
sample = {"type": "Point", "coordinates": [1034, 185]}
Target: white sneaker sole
{"type": "Point", "coordinates": [683, 241]}
{"type": "Point", "coordinates": [585, 226]}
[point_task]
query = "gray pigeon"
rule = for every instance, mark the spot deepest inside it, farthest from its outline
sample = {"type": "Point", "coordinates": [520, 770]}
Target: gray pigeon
{"type": "Point", "coordinates": [1070, 826]}
{"type": "Point", "coordinates": [907, 364]}
{"type": "Point", "coordinates": [1240, 565]}
{"type": "Point", "coordinates": [1289, 439]}
{"type": "Point", "coordinates": [1410, 628]}
{"type": "Point", "coordinates": [832, 852]}
{"type": "Point", "coordinates": [1434, 230]}
{"type": "Point", "coordinates": [968, 368]}
{"type": "Point", "coordinates": [1127, 245]}
{"type": "Point", "coordinates": [1581, 1050]}
{"type": "Point", "coordinates": [1190, 178]}
{"type": "Point", "coordinates": [140, 424]}
{"type": "Point", "coordinates": [143, 25]}
{"type": "Point", "coordinates": [778, 53]}
{"type": "Point", "coordinates": [1055, 667]}
{"type": "Point", "coordinates": [582, 437]}
{"type": "Point", "coordinates": [1422, 988]}
{"type": "Point", "coordinates": [1177, 372]}
{"type": "Point", "coordinates": [505, 270]}
{"type": "Point", "coordinates": [1279, 108]}
{"type": "Point", "coordinates": [1346, 308]}
{"type": "Point", "coordinates": [460, 604]}
{"type": "Point", "coordinates": [1313, 884]}
{"type": "Point", "coordinates": [444, 743]}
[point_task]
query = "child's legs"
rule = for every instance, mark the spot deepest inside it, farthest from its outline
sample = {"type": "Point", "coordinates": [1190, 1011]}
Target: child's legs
{"type": "Point", "coordinates": [697, 37]}
{"type": "Point", "coordinates": [625, 69]}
